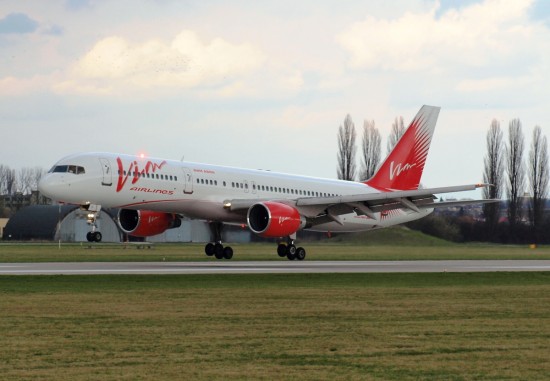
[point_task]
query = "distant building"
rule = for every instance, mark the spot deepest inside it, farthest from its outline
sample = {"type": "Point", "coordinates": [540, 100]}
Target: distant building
{"type": "Point", "coordinates": [54, 222]}
{"type": "Point", "coordinates": [11, 203]}
{"type": "Point", "coordinates": [69, 223]}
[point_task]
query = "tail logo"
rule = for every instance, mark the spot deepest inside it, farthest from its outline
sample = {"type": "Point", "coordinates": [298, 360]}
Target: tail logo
{"type": "Point", "coordinates": [399, 168]}
{"type": "Point", "coordinates": [402, 169]}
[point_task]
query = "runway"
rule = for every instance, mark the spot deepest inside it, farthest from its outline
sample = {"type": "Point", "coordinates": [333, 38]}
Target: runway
{"type": "Point", "coordinates": [271, 267]}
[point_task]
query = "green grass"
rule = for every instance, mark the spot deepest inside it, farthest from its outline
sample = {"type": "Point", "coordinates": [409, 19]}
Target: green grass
{"type": "Point", "coordinates": [315, 326]}
{"type": "Point", "coordinates": [264, 251]}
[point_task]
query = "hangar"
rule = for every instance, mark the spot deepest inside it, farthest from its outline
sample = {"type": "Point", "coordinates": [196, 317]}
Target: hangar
{"type": "Point", "coordinates": [57, 222]}
{"type": "Point", "coordinates": [69, 223]}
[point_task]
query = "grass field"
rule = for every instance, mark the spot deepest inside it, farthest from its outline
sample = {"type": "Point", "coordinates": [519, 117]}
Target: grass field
{"type": "Point", "coordinates": [263, 251]}
{"type": "Point", "coordinates": [320, 327]}
{"type": "Point", "coordinates": [493, 326]}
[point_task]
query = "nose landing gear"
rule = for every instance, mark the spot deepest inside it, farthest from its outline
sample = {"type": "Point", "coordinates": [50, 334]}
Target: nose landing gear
{"type": "Point", "coordinates": [95, 235]}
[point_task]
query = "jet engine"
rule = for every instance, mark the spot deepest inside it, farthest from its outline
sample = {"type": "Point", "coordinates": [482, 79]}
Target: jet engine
{"type": "Point", "coordinates": [272, 219]}
{"type": "Point", "coordinates": [145, 223]}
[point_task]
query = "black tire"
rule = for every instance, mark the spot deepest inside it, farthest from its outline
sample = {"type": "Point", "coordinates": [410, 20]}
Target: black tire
{"type": "Point", "coordinates": [291, 249]}
{"type": "Point", "coordinates": [228, 252]}
{"type": "Point", "coordinates": [98, 236]}
{"type": "Point", "coordinates": [89, 237]}
{"type": "Point", "coordinates": [209, 249]}
{"type": "Point", "coordinates": [281, 250]}
{"type": "Point", "coordinates": [218, 251]}
{"type": "Point", "coordinates": [300, 253]}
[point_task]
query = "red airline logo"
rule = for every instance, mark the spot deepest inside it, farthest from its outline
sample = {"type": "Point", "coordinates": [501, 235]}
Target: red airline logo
{"type": "Point", "coordinates": [134, 172]}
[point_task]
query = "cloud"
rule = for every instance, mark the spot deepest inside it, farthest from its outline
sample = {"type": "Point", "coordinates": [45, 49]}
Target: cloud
{"type": "Point", "coordinates": [17, 23]}
{"type": "Point", "coordinates": [472, 36]}
{"type": "Point", "coordinates": [117, 65]}
{"type": "Point", "coordinates": [13, 86]}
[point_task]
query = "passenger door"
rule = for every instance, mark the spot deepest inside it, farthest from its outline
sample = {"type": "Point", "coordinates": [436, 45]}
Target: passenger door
{"type": "Point", "coordinates": [188, 178]}
{"type": "Point", "coordinates": [107, 173]}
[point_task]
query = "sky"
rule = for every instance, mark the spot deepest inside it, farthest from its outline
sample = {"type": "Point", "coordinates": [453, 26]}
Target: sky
{"type": "Point", "coordinates": [266, 84]}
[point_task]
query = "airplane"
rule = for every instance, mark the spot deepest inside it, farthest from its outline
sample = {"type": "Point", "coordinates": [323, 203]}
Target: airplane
{"type": "Point", "coordinates": [153, 195]}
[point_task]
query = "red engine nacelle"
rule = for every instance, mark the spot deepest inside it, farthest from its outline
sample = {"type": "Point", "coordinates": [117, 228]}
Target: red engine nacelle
{"type": "Point", "coordinates": [145, 223]}
{"type": "Point", "coordinates": [272, 219]}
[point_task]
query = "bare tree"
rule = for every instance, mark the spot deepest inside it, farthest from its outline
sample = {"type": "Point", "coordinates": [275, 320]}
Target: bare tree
{"type": "Point", "coordinates": [37, 173]}
{"type": "Point", "coordinates": [397, 130]}
{"type": "Point", "coordinates": [24, 180]}
{"type": "Point", "coordinates": [371, 149]}
{"type": "Point", "coordinates": [493, 174]}
{"type": "Point", "coordinates": [538, 178]}
{"type": "Point", "coordinates": [346, 150]}
{"type": "Point", "coordinates": [3, 174]}
{"type": "Point", "coordinates": [9, 180]}
{"type": "Point", "coordinates": [516, 172]}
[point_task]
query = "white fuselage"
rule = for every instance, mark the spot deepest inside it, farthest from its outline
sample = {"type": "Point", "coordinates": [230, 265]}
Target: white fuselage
{"type": "Point", "coordinates": [197, 190]}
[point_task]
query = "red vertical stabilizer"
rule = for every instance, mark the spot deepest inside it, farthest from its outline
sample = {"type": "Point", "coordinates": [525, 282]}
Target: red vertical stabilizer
{"type": "Point", "coordinates": [402, 169]}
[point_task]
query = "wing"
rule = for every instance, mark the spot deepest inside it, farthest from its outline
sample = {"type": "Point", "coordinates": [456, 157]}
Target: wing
{"type": "Point", "coordinates": [324, 209]}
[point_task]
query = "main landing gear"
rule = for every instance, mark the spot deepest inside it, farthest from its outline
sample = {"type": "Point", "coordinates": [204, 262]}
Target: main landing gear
{"type": "Point", "coordinates": [290, 251]}
{"type": "Point", "coordinates": [216, 248]}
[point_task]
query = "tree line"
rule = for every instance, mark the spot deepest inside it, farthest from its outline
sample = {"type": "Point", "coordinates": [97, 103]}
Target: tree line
{"type": "Point", "coordinates": [522, 179]}
{"type": "Point", "coordinates": [371, 148]}
{"type": "Point", "coordinates": [16, 184]}
{"type": "Point", "coordinates": [24, 181]}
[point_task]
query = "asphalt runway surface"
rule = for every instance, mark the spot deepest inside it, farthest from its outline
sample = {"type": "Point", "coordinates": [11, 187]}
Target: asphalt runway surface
{"type": "Point", "coordinates": [272, 267]}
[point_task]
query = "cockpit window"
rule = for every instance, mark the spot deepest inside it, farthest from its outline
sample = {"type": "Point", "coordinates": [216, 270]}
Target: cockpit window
{"type": "Point", "coordinates": [75, 169]}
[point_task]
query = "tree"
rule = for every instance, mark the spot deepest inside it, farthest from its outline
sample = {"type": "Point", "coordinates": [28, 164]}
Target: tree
{"type": "Point", "coordinates": [371, 149]}
{"type": "Point", "coordinates": [538, 179]}
{"type": "Point", "coordinates": [397, 130]}
{"type": "Point", "coordinates": [24, 180]}
{"type": "Point", "coordinates": [493, 174]}
{"type": "Point", "coordinates": [346, 150]}
{"type": "Point", "coordinates": [516, 172]}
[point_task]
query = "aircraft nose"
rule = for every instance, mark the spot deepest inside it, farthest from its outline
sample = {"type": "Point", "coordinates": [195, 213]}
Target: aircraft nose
{"type": "Point", "coordinates": [47, 186]}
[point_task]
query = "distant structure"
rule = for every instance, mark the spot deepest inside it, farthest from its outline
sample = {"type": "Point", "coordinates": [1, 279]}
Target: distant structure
{"type": "Point", "coordinates": [55, 222]}
{"type": "Point", "coordinates": [69, 223]}
{"type": "Point", "coordinates": [12, 203]}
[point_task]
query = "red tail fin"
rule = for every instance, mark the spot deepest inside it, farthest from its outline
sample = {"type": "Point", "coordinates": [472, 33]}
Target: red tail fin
{"type": "Point", "coordinates": [403, 167]}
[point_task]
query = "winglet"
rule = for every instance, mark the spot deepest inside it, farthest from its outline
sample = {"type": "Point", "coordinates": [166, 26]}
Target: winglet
{"type": "Point", "coordinates": [402, 169]}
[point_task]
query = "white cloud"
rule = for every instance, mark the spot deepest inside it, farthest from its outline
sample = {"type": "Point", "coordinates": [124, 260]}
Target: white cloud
{"type": "Point", "coordinates": [116, 65]}
{"type": "Point", "coordinates": [474, 36]}
{"type": "Point", "coordinates": [14, 87]}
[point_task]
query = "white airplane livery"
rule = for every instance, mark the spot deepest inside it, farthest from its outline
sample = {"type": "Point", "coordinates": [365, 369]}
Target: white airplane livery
{"type": "Point", "coordinates": [152, 195]}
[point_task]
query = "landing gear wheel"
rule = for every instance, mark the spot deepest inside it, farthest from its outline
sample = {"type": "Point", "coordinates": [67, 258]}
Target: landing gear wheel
{"type": "Point", "coordinates": [228, 252]}
{"type": "Point", "coordinates": [209, 249]}
{"type": "Point", "coordinates": [291, 249]}
{"type": "Point", "coordinates": [218, 250]}
{"type": "Point", "coordinates": [97, 236]}
{"type": "Point", "coordinates": [300, 253]}
{"type": "Point", "coordinates": [89, 237]}
{"type": "Point", "coordinates": [281, 250]}
{"type": "Point", "coordinates": [291, 252]}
